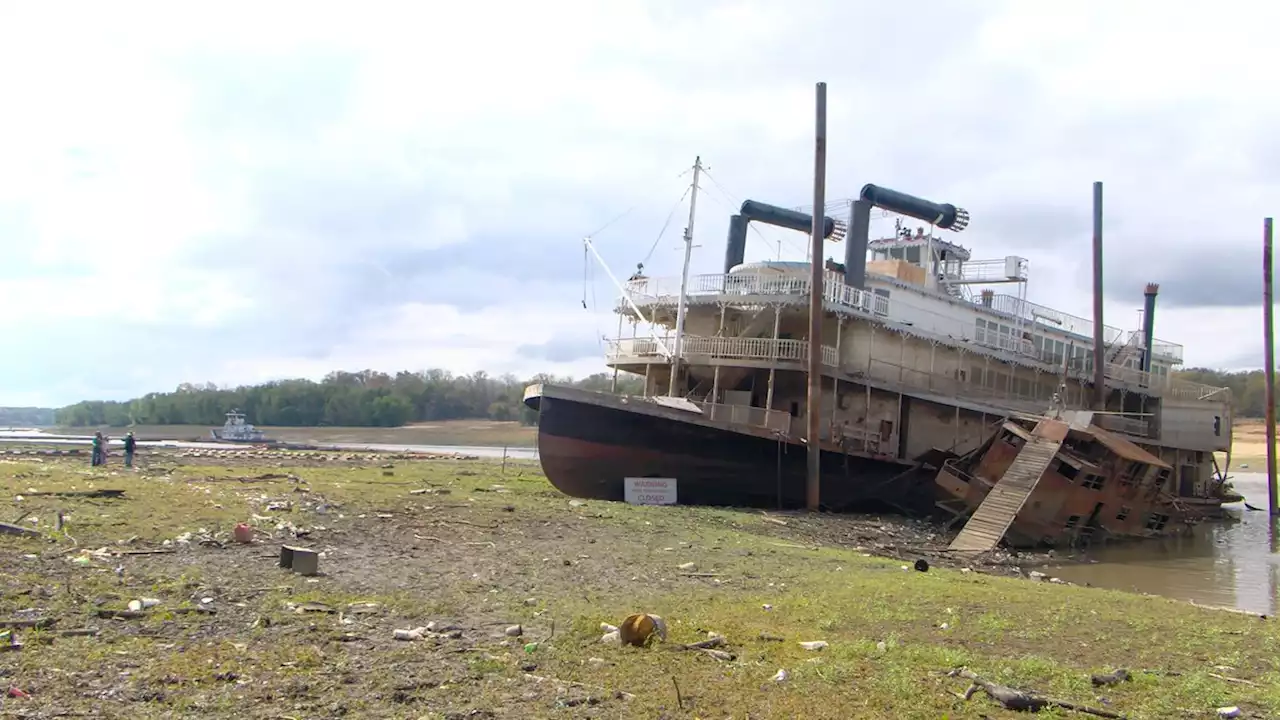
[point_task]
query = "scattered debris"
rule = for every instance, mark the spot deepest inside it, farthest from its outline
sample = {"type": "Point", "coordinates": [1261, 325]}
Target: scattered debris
{"type": "Point", "coordinates": [11, 529]}
{"type": "Point", "coordinates": [1019, 700]}
{"type": "Point", "coordinates": [922, 565]}
{"type": "Point", "coordinates": [781, 676]}
{"type": "Point", "coordinates": [640, 628]}
{"type": "Point", "coordinates": [1112, 678]}
{"type": "Point", "coordinates": [514, 631]}
{"type": "Point", "coordinates": [300, 560]}
{"type": "Point", "coordinates": [1229, 712]}
{"type": "Point", "coordinates": [814, 645]}
{"type": "Point", "coordinates": [1226, 678]}
{"type": "Point", "coordinates": [411, 634]}
{"type": "Point", "coordinates": [243, 533]}
{"type": "Point", "coordinates": [104, 493]}
{"type": "Point", "coordinates": [311, 607]}
{"type": "Point", "coordinates": [42, 623]}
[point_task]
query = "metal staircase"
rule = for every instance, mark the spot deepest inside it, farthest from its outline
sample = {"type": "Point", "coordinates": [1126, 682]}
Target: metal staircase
{"type": "Point", "coordinates": [1119, 353]}
{"type": "Point", "coordinates": [1001, 506]}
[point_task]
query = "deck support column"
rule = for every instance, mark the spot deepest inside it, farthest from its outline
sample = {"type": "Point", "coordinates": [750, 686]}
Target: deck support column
{"type": "Point", "coordinates": [773, 356]}
{"type": "Point", "coordinates": [933, 352]}
{"type": "Point", "coordinates": [715, 379]}
{"type": "Point", "coordinates": [835, 379]}
{"type": "Point", "coordinates": [614, 387]}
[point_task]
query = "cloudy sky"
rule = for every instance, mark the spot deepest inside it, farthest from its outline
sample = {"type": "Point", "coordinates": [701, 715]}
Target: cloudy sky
{"type": "Point", "coordinates": [281, 189]}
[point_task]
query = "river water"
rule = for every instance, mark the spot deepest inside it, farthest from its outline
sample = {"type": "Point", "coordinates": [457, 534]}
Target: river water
{"type": "Point", "coordinates": [1233, 564]}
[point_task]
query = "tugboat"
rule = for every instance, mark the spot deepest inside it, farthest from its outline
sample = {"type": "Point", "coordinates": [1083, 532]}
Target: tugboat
{"type": "Point", "coordinates": [237, 429]}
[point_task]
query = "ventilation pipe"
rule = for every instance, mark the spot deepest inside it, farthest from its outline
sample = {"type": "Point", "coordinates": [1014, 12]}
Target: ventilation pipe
{"type": "Point", "coordinates": [945, 216]}
{"type": "Point", "coordinates": [1148, 323]}
{"type": "Point", "coordinates": [736, 247]}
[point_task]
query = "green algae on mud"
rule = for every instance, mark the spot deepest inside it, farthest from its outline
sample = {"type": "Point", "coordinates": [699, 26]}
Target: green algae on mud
{"type": "Point", "coordinates": [464, 545]}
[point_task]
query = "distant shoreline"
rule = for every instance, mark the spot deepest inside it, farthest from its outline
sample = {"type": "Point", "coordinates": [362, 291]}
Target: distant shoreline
{"type": "Point", "coordinates": [487, 433]}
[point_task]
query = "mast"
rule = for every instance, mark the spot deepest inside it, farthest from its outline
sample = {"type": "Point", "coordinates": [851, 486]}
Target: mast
{"type": "Point", "coordinates": [684, 279]}
{"type": "Point", "coordinates": [813, 480]}
{"type": "Point", "coordinates": [1269, 352]}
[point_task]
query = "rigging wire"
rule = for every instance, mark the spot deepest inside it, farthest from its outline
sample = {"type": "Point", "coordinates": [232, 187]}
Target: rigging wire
{"type": "Point", "coordinates": [666, 224]}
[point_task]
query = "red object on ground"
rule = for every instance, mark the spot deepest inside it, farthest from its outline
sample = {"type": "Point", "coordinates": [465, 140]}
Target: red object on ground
{"type": "Point", "coordinates": [243, 533]}
{"type": "Point", "coordinates": [16, 693]}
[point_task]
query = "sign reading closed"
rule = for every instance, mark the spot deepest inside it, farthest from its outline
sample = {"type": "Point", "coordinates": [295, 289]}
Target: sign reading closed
{"type": "Point", "coordinates": [649, 491]}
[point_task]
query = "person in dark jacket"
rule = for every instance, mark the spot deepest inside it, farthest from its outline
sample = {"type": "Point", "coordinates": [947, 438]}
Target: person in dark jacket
{"type": "Point", "coordinates": [130, 444]}
{"type": "Point", "coordinates": [97, 449]}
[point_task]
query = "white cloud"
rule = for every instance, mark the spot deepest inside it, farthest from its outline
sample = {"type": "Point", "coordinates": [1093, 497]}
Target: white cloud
{"type": "Point", "coordinates": [190, 196]}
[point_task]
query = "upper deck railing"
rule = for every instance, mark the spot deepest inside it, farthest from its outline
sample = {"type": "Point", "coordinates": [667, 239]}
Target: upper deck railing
{"type": "Point", "coordinates": [666, 291]}
{"type": "Point", "coordinates": [1016, 392]}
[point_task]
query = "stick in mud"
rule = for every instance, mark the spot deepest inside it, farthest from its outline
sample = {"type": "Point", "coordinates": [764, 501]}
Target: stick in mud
{"type": "Point", "coordinates": [1019, 700]}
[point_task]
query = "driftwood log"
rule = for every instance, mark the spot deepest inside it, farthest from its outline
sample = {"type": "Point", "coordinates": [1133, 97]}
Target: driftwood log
{"type": "Point", "coordinates": [1020, 700]}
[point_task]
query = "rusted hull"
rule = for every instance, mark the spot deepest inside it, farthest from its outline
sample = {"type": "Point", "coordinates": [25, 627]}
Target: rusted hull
{"type": "Point", "coordinates": [587, 451]}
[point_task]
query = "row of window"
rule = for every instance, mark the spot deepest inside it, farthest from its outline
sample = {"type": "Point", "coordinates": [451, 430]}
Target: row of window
{"type": "Point", "coordinates": [1155, 521]}
{"type": "Point", "coordinates": [1048, 350]}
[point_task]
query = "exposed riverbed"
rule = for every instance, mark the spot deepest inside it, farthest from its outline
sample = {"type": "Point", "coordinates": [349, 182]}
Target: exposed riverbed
{"type": "Point", "coordinates": [1232, 564]}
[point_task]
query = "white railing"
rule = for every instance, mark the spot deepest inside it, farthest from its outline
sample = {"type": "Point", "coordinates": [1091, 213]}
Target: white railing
{"type": "Point", "coordinates": [723, 348]}
{"type": "Point", "coordinates": [1126, 425]}
{"type": "Point", "coordinates": [1047, 317]}
{"type": "Point", "coordinates": [990, 271]}
{"type": "Point", "coordinates": [702, 349]}
{"type": "Point", "coordinates": [746, 415]}
{"type": "Point", "coordinates": [645, 291]}
{"type": "Point", "coordinates": [666, 290]}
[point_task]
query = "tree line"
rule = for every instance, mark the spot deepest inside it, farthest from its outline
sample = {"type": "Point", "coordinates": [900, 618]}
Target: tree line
{"type": "Point", "coordinates": [347, 399]}
{"type": "Point", "coordinates": [26, 416]}
{"type": "Point", "coordinates": [1248, 388]}
{"type": "Point", "coordinates": [376, 399]}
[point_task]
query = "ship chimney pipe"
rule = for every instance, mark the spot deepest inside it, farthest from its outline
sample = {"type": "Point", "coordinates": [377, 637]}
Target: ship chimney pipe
{"type": "Point", "coordinates": [736, 246]}
{"type": "Point", "coordinates": [855, 252]}
{"type": "Point", "coordinates": [1148, 323]}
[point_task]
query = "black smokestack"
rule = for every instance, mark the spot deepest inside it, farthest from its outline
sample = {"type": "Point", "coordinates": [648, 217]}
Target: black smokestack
{"type": "Point", "coordinates": [1148, 323]}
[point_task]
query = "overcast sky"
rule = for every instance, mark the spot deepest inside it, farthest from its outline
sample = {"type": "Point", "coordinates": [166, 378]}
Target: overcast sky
{"type": "Point", "coordinates": [281, 189]}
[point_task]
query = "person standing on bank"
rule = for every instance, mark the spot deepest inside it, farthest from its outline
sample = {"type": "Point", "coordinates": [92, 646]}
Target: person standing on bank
{"type": "Point", "coordinates": [97, 449]}
{"type": "Point", "coordinates": [130, 444]}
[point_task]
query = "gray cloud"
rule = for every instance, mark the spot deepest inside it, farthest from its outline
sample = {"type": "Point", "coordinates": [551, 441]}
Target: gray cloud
{"type": "Point", "coordinates": [564, 348]}
{"type": "Point", "coordinates": [330, 223]}
{"type": "Point", "coordinates": [1221, 276]}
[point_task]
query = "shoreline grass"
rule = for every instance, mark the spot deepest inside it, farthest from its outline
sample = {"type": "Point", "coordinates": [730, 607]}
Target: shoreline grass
{"type": "Point", "coordinates": [464, 545]}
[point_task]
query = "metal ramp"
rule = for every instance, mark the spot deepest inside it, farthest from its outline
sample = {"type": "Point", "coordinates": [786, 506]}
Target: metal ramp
{"type": "Point", "coordinates": [993, 517]}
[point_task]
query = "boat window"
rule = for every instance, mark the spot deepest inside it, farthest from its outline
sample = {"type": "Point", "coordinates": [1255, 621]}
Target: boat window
{"type": "Point", "coordinates": [1124, 512]}
{"type": "Point", "coordinates": [1073, 521]}
{"type": "Point", "coordinates": [1137, 470]}
{"type": "Point", "coordinates": [913, 255]}
{"type": "Point", "coordinates": [896, 253]}
{"type": "Point", "coordinates": [1156, 522]}
{"type": "Point", "coordinates": [1094, 482]}
{"type": "Point", "coordinates": [1067, 471]}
